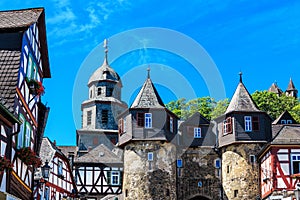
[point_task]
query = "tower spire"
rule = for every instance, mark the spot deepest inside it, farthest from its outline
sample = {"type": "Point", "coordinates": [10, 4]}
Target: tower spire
{"type": "Point", "coordinates": [105, 51]}
{"type": "Point", "coordinates": [241, 77]}
{"type": "Point", "coordinates": [148, 71]}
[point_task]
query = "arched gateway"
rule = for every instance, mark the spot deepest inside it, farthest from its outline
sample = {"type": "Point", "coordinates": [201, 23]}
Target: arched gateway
{"type": "Point", "coordinates": [199, 198]}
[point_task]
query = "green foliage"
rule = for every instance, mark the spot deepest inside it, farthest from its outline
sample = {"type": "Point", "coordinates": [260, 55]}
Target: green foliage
{"type": "Point", "coordinates": [273, 104]}
{"type": "Point", "coordinates": [295, 112]}
{"type": "Point", "coordinates": [207, 106]}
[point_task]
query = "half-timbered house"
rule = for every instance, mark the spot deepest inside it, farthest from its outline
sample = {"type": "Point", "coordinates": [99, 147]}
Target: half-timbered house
{"type": "Point", "coordinates": [23, 66]}
{"type": "Point", "coordinates": [280, 160]}
{"type": "Point", "coordinates": [61, 183]}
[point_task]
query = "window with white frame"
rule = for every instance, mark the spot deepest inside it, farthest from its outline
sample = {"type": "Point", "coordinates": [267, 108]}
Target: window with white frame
{"type": "Point", "coordinates": [150, 156]}
{"type": "Point", "coordinates": [115, 177]}
{"type": "Point", "coordinates": [289, 121]}
{"type": "Point", "coordinates": [89, 117]}
{"type": "Point", "coordinates": [295, 163]}
{"type": "Point", "coordinates": [283, 121]}
{"type": "Point", "coordinates": [197, 132]}
{"type": "Point", "coordinates": [248, 123]}
{"type": "Point", "coordinates": [148, 120]}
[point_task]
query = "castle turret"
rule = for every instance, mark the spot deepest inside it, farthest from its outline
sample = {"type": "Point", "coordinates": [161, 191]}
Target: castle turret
{"type": "Point", "coordinates": [242, 131]}
{"type": "Point", "coordinates": [99, 111]}
{"type": "Point", "coordinates": [146, 132]}
{"type": "Point", "coordinates": [291, 90]}
{"type": "Point", "coordinates": [275, 89]}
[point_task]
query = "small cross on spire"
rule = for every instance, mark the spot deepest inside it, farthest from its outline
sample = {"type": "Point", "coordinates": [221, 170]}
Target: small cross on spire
{"type": "Point", "coordinates": [148, 71]}
{"type": "Point", "coordinates": [241, 78]}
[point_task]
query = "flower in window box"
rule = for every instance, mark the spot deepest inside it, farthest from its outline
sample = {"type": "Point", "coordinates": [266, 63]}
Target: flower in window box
{"type": "Point", "coordinates": [29, 157]}
{"type": "Point", "coordinates": [5, 164]}
{"type": "Point", "coordinates": [35, 87]}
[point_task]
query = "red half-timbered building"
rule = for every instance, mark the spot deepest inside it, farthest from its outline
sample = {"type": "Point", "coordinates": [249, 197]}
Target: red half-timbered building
{"type": "Point", "coordinates": [280, 163]}
{"type": "Point", "coordinates": [23, 66]}
{"type": "Point", "coordinates": [60, 183]}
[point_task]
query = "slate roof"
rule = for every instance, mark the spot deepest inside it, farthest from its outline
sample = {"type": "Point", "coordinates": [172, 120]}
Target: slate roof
{"type": "Point", "coordinates": [19, 18]}
{"type": "Point", "coordinates": [242, 101]}
{"type": "Point", "coordinates": [48, 150]}
{"type": "Point", "coordinates": [284, 115]}
{"type": "Point", "coordinates": [100, 154]}
{"type": "Point", "coordinates": [66, 149]}
{"type": "Point", "coordinates": [9, 70]}
{"type": "Point", "coordinates": [291, 86]}
{"type": "Point", "coordinates": [274, 88]}
{"type": "Point", "coordinates": [148, 97]}
{"type": "Point", "coordinates": [288, 134]}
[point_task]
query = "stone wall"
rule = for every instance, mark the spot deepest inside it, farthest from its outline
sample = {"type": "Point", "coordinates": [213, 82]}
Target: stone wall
{"type": "Point", "coordinates": [239, 173]}
{"type": "Point", "coordinates": [198, 176]}
{"type": "Point", "coordinates": [151, 180]}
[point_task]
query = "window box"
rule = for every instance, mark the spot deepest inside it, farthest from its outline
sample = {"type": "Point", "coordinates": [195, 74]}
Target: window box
{"type": "Point", "coordinates": [5, 164]}
{"type": "Point", "coordinates": [29, 157]}
{"type": "Point", "coordinates": [35, 87]}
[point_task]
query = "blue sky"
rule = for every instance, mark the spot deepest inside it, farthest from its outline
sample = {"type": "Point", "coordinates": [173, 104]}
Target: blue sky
{"type": "Point", "coordinates": [260, 38]}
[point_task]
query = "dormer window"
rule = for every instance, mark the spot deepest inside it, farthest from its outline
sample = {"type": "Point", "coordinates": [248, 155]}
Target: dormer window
{"type": "Point", "coordinates": [197, 132]}
{"type": "Point", "coordinates": [248, 123]}
{"type": "Point", "coordinates": [148, 120]}
{"type": "Point", "coordinates": [283, 121]}
{"type": "Point", "coordinates": [289, 121]}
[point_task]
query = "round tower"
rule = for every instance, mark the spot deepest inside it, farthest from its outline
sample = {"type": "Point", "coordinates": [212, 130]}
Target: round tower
{"type": "Point", "coordinates": [242, 131]}
{"type": "Point", "coordinates": [146, 132]}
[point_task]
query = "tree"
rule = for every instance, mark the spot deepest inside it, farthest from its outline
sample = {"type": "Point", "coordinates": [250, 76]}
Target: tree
{"type": "Point", "coordinates": [295, 112]}
{"type": "Point", "coordinates": [220, 108]}
{"type": "Point", "coordinates": [273, 104]}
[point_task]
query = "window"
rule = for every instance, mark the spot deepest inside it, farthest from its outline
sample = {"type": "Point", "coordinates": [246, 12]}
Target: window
{"type": "Point", "coordinates": [197, 132]}
{"type": "Point", "coordinates": [31, 68]}
{"type": "Point", "coordinates": [104, 118]}
{"type": "Point", "coordinates": [218, 163]}
{"type": "Point", "coordinates": [283, 121]}
{"type": "Point", "coordinates": [150, 156]}
{"type": "Point", "coordinates": [296, 163]}
{"type": "Point", "coordinates": [91, 94]}
{"type": "Point", "coordinates": [109, 92]}
{"type": "Point", "coordinates": [89, 117]}
{"type": "Point", "coordinates": [115, 178]}
{"type": "Point", "coordinates": [252, 159]}
{"type": "Point", "coordinates": [227, 126]}
{"type": "Point", "coordinates": [98, 91]}
{"type": "Point", "coordinates": [28, 132]}
{"type": "Point", "coordinates": [140, 119]}
{"type": "Point", "coordinates": [121, 125]}
{"type": "Point", "coordinates": [179, 163]}
{"type": "Point", "coordinates": [148, 120]}
{"type": "Point", "coordinates": [255, 123]}
{"type": "Point", "coordinates": [248, 124]}
{"type": "Point", "coordinates": [228, 169]}
{"type": "Point", "coordinates": [171, 124]}
{"type": "Point", "coordinates": [289, 121]}
{"type": "Point", "coordinates": [60, 168]}
{"type": "Point", "coordinates": [124, 125]}
{"type": "Point", "coordinates": [22, 132]}
{"type": "Point", "coordinates": [236, 192]}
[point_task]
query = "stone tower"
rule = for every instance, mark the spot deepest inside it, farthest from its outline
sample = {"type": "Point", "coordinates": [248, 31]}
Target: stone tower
{"type": "Point", "coordinates": [147, 132]}
{"type": "Point", "coordinates": [242, 131]}
{"type": "Point", "coordinates": [101, 108]}
{"type": "Point", "coordinates": [291, 90]}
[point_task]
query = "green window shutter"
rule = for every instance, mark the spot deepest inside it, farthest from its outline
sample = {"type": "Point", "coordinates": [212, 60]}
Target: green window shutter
{"type": "Point", "coordinates": [108, 177]}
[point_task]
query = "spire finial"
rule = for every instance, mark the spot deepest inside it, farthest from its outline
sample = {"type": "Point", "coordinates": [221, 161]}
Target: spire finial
{"type": "Point", "coordinates": [105, 50]}
{"type": "Point", "coordinates": [148, 71]}
{"type": "Point", "coordinates": [241, 77]}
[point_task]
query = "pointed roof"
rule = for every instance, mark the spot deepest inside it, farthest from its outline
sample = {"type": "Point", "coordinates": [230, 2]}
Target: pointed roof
{"type": "Point", "coordinates": [285, 116]}
{"type": "Point", "coordinates": [148, 96]}
{"type": "Point", "coordinates": [291, 86]}
{"type": "Point", "coordinates": [274, 88]}
{"type": "Point", "coordinates": [242, 100]}
{"type": "Point", "coordinates": [104, 72]}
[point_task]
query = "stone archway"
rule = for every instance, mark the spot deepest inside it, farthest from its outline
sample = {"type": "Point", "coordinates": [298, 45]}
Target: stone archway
{"type": "Point", "coordinates": [199, 198]}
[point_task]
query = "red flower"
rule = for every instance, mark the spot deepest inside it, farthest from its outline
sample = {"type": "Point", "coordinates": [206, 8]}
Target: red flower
{"type": "Point", "coordinates": [5, 164]}
{"type": "Point", "coordinates": [29, 157]}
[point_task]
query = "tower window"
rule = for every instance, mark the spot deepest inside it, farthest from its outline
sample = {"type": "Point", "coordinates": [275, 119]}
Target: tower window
{"type": "Point", "coordinates": [227, 126]}
{"type": "Point", "coordinates": [148, 120]}
{"type": "Point", "coordinates": [99, 91]}
{"type": "Point", "coordinates": [140, 119]}
{"type": "Point", "coordinates": [150, 156]}
{"type": "Point", "coordinates": [255, 123]}
{"type": "Point", "coordinates": [89, 117]}
{"type": "Point", "coordinates": [252, 159]}
{"type": "Point", "coordinates": [109, 92]}
{"type": "Point", "coordinates": [171, 124]}
{"type": "Point", "coordinates": [104, 118]}
{"type": "Point", "coordinates": [197, 132]}
{"type": "Point", "coordinates": [248, 123]}
{"type": "Point", "coordinates": [236, 192]}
